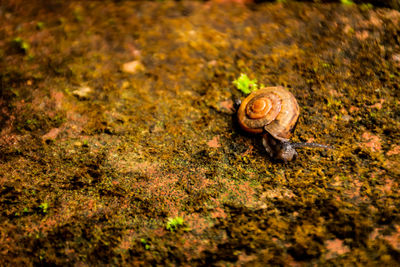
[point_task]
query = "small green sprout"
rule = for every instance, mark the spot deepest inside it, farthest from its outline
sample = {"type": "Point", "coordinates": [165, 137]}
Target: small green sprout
{"type": "Point", "coordinates": [347, 2]}
{"type": "Point", "coordinates": [145, 244]}
{"type": "Point", "coordinates": [366, 7]}
{"type": "Point", "coordinates": [24, 211]}
{"type": "Point", "coordinates": [21, 44]}
{"type": "Point", "coordinates": [44, 207]}
{"type": "Point", "coordinates": [23, 47]}
{"type": "Point", "coordinates": [174, 223]}
{"type": "Point", "coordinates": [40, 25]}
{"type": "Point", "coordinates": [78, 14]}
{"type": "Point", "coordinates": [244, 84]}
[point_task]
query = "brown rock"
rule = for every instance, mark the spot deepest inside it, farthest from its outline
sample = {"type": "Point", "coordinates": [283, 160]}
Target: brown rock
{"type": "Point", "coordinates": [372, 141]}
{"type": "Point", "coordinates": [214, 143]}
{"type": "Point", "coordinates": [52, 134]}
{"type": "Point", "coordinates": [132, 67]}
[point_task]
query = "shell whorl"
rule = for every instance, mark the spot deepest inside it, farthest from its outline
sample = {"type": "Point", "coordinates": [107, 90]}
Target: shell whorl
{"type": "Point", "coordinates": [273, 109]}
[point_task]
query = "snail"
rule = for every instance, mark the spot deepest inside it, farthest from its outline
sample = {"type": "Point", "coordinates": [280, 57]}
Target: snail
{"type": "Point", "coordinates": [273, 112]}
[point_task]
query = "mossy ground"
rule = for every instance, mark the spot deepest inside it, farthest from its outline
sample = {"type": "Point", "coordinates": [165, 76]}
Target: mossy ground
{"type": "Point", "coordinates": [93, 177]}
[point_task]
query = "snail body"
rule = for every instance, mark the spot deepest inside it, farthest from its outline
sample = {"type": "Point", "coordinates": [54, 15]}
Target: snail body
{"type": "Point", "coordinates": [273, 112]}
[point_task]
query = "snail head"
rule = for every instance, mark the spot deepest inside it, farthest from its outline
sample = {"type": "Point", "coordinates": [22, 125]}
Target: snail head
{"type": "Point", "coordinates": [279, 149]}
{"type": "Point", "coordinates": [284, 150]}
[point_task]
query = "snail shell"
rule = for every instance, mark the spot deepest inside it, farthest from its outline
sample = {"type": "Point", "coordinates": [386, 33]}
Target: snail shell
{"type": "Point", "coordinates": [273, 109]}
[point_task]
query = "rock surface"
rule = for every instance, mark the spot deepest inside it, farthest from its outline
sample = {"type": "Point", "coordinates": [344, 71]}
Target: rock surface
{"type": "Point", "coordinates": [95, 179]}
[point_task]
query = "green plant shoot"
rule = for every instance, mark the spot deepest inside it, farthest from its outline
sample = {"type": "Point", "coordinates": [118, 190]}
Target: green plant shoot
{"type": "Point", "coordinates": [21, 44]}
{"type": "Point", "coordinates": [244, 84]}
{"type": "Point", "coordinates": [346, 2]}
{"type": "Point", "coordinates": [44, 207]}
{"type": "Point", "coordinates": [174, 223]}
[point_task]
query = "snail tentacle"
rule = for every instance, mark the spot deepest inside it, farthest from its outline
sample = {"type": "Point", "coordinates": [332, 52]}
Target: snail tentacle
{"type": "Point", "coordinates": [236, 103]}
{"type": "Point", "coordinates": [311, 145]}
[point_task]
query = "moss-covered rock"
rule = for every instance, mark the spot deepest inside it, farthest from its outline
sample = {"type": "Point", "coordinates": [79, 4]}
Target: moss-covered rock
{"type": "Point", "coordinates": [94, 178]}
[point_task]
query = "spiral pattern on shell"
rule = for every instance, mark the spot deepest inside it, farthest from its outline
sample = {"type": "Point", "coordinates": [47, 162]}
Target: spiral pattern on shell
{"type": "Point", "coordinates": [273, 109]}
